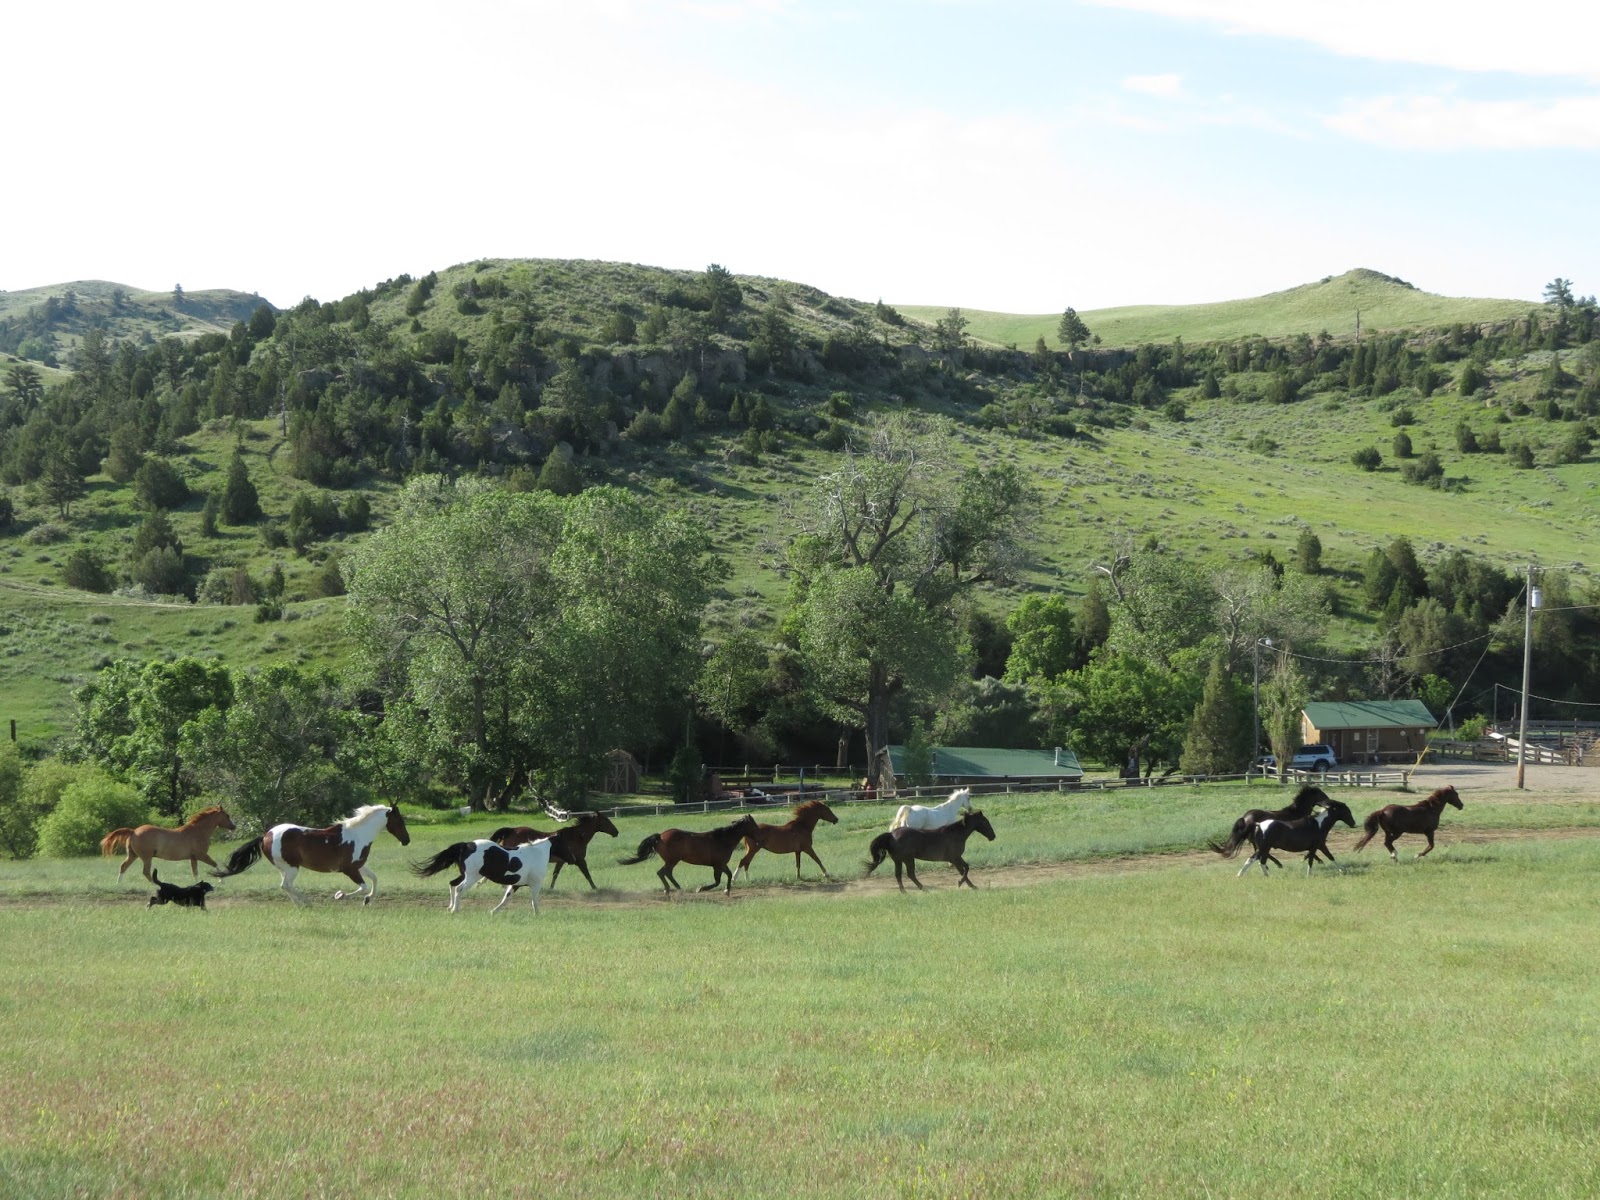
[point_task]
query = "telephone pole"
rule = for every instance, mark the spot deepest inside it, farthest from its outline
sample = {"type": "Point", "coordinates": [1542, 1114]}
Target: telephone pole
{"type": "Point", "coordinates": [1532, 602]}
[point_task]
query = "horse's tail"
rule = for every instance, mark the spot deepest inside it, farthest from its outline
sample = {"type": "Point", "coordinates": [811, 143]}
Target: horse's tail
{"type": "Point", "coordinates": [1236, 838]}
{"type": "Point", "coordinates": [449, 857]}
{"type": "Point", "coordinates": [879, 850]}
{"type": "Point", "coordinates": [116, 840]}
{"type": "Point", "coordinates": [651, 845]}
{"type": "Point", "coordinates": [901, 817]}
{"type": "Point", "coordinates": [1372, 824]}
{"type": "Point", "coordinates": [241, 859]}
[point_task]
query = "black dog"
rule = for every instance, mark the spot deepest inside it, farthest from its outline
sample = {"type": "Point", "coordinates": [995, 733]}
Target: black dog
{"type": "Point", "coordinates": [185, 897]}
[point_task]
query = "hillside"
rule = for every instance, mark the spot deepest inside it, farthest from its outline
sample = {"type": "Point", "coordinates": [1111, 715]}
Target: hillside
{"type": "Point", "coordinates": [1222, 451]}
{"type": "Point", "coordinates": [1329, 305]}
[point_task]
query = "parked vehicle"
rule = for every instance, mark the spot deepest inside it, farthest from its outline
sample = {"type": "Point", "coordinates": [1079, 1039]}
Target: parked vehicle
{"type": "Point", "coordinates": [1315, 757]}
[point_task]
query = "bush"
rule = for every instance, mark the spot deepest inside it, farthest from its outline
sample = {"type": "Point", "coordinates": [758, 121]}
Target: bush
{"type": "Point", "coordinates": [158, 484]}
{"type": "Point", "coordinates": [1427, 470]}
{"type": "Point", "coordinates": [161, 572]}
{"type": "Point", "coordinates": [1521, 456]}
{"type": "Point", "coordinates": [1473, 728]}
{"type": "Point", "coordinates": [85, 571]}
{"type": "Point", "coordinates": [90, 808]}
{"type": "Point", "coordinates": [1367, 458]}
{"type": "Point", "coordinates": [1175, 411]}
{"type": "Point", "coordinates": [1402, 444]}
{"type": "Point", "coordinates": [1466, 440]}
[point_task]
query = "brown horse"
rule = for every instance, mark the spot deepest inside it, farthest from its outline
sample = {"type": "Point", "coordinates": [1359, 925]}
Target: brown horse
{"type": "Point", "coordinates": [189, 840]}
{"type": "Point", "coordinates": [1304, 801]}
{"type": "Point", "coordinates": [341, 848]}
{"type": "Point", "coordinates": [946, 844]}
{"type": "Point", "coordinates": [711, 849]}
{"type": "Point", "coordinates": [1398, 819]}
{"type": "Point", "coordinates": [792, 837]}
{"type": "Point", "coordinates": [569, 845]}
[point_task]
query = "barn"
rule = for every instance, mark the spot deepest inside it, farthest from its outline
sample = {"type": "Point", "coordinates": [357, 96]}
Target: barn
{"type": "Point", "coordinates": [1368, 731]}
{"type": "Point", "coordinates": [981, 764]}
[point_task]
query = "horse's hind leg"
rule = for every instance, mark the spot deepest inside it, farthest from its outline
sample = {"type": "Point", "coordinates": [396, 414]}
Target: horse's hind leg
{"type": "Point", "coordinates": [287, 884]}
{"type": "Point", "coordinates": [749, 857]}
{"type": "Point", "coordinates": [126, 863]}
{"type": "Point", "coordinates": [146, 860]}
{"type": "Point", "coordinates": [555, 872]}
{"type": "Point", "coordinates": [911, 872]}
{"type": "Point", "coordinates": [667, 881]}
{"type": "Point", "coordinates": [504, 900]}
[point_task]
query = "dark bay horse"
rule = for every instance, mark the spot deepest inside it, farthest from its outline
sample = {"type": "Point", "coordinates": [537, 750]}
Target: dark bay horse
{"type": "Point", "coordinates": [567, 846]}
{"type": "Point", "coordinates": [1304, 801]}
{"type": "Point", "coordinates": [1309, 834]}
{"type": "Point", "coordinates": [946, 844]}
{"type": "Point", "coordinates": [792, 837]}
{"type": "Point", "coordinates": [190, 840]}
{"type": "Point", "coordinates": [1398, 819]}
{"type": "Point", "coordinates": [341, 848]}
{"type": "Point", "coordinates": [711, 849]}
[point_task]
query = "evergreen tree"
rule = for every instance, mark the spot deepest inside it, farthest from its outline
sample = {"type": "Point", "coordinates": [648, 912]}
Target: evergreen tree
{"type": "Point", "coordinates": [1377, 582]}
{"type": "Point", "coordinates": [560, 475]}
{"type": "Point", "coordinates": [62, 481]}
{"type": "Point", "coordinates": [158, 484]}
{"type": "Point", "coordinates": [1072, 332]}
{"type": "Point", "coordinates": [84, 570]}
{"type": "Point", "coordinates": [241, 503]}
{"type": "Point", "coordinates": [1402, 444]}
{"type": "Point", "coordinates": [1308, 552]}
{"type": "Point", "coordinates": [1218, 741]}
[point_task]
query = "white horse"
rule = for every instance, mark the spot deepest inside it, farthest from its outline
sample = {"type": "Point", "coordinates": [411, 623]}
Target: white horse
{"type": "Point", "coordinates": [920, 816]}
{"type": "Point", "coordinates": [482, 859]}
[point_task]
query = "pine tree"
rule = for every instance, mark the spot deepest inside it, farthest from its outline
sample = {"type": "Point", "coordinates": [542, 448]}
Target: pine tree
{"type": "Point", "coordinates": [560, 476]}
{"type": "Point", "coordinates": [1072, 332]}
{"type": "Point", "coordinates": [241, 503]}
{"type": "Point", "coordinates": [1308, 553]}
{"type": "Point", "coordinates": [1218, 741]}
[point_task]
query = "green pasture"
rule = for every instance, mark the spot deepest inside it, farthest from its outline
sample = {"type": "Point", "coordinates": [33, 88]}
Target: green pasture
{"type": "Point", "coordinates": [1427, 1028]}
{"type": "Point", "coordinates": [1329, 305]}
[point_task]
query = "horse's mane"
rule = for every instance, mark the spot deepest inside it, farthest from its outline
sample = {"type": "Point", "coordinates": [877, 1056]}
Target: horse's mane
{"type": "Point", "coordinates": [362, 814]}
{"type": "Point", "coordinates": [806, 806]}
{"type": "Point", "coordinates": [1439, 797]}
{"type": "Point", "coordinates": [204, 812]}
{"type": "Point", "coordinates": [728, 830]}
{"type": "Point", "coordinates": [1316, 793]}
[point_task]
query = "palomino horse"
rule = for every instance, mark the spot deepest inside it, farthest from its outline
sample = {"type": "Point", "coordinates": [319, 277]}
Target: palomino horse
{"type": "Point", "coordinates": [476, 861]}
{"type": "Point", "coordinates": [1306, 833]}
{"type": "Point", "coordinates": [1304, 801]}
{"type": "Point", "coordinates": [907, 844]}
{"type": "Point", "coordinates": [342, 848]}
{"type": "Point", "coordinates": [792, 837]}
{"type": "Point", "coordinates": [920, 816]}
{"type": "Point", "coordinates": [711, 849]}
{"type": "Point", "coordinates": [569, 845]}
{"type": "Point", "coordinates": [1397, 820]}
{"type": "Point", "coordinates": [189, 840]}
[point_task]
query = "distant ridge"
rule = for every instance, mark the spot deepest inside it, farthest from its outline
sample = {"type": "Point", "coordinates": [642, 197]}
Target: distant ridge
{"type": "Point", "coordinates": [1330, 305]}
{"type": "Point", "coordinates": [57, 316]}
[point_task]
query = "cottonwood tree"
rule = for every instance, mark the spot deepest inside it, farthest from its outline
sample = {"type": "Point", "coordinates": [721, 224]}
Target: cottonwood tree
{"type": "Point", "coordinates": [520, 636]}
{"type": "Point", "coordinates": [890, 541]}
{"type": "Point", "coordinates": [1123, 709]}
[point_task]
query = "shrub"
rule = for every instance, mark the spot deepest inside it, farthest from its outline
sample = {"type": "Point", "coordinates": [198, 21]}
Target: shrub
{"type": "Point", "coordinates": [1473, 728]}
{"type": "Point", "coordinates": [45, 534]}
{"type": "Point", "coordinates": [158, 484]}
{"type": "Point", "coordinates": [1521, 456]}
{"type": "Point", "coordinates": [1401, 417]}
{"type": "Point", "coordinates": [85, 570]}
{"type": "Point", "coordinates": [357, 513]}
{"type": "Point", "coordinates": [1367, 458]}
{"type": "Point", "coordinates": [1427, 470]}
{"type": "Point", "coordinates": [18, 833]}
{"type": "Point", "coordinates": [1466, 440]}
{"type": "Point", "coordinates": [161, 571]}
{"type": "Point", "coordinates": [1261, 444]}
{"type": "Point", "coordinates": [1575, 448]}
{"type": "Point", "coordinates": [1471, 379]}
{"type": "Point", "coordinates": [1175, 411]}
{"type": "Point", "coordinates": [90, 808]}
{"type": "Point", "coordinates": [1402, 444]}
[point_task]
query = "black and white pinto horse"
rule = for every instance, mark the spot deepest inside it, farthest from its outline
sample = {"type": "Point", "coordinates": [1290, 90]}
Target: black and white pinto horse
{"type": "Point", "coordinates": [482, 859]}
{"type": "Point", "coordinates": [1307, 834]}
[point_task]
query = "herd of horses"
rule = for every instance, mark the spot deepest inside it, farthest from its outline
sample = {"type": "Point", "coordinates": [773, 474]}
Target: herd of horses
{"type": "Point", "coordinates": [522, 856]}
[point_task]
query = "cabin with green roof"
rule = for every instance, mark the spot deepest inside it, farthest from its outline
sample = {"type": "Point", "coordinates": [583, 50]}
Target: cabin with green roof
{"type": "Point", "coordinates": [1366, 731]}
{"type": "Point", "coordinates": [981, 764]}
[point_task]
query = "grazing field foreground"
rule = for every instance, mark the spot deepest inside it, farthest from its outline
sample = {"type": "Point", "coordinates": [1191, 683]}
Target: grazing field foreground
{"type": "Point", "coordinates": [1413, 1029]}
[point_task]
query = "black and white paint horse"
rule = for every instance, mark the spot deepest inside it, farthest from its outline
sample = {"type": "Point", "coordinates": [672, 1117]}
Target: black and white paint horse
{"type": "Point", "coordinates": [482, 859]}
{"type": "Point", "coordinates": [1307, 834]}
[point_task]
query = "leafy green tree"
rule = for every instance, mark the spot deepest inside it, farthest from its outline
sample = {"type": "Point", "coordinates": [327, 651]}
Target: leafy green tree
{"type": "Point", "coordinates": [1044, 641]}
{"type": "Point", "coordinates": [62, 481]}
{"type": "Point", "coordinates": [1559, 292]}
{"type": "Point", "coordinates": [1072, 332]}
{"type": "Point", "coordinates": [8, 509]}
{"type": "Point", "coordinates": [950, 332]}
{"type": "Point", "coordinates": [126, 455]}
{"type": "Point", "coordinates": [1124, 710]}
{"type": "Point", "coordinates": [1164, 605]}
{"type": "Point", "coordinates": [1472, 379]}
{"type": "Point", "coordinates": [1284, 694]}
{"type": "Point", "coordinates": [991, 712]}
{"type": "Point", "coordinates": [129, 718]}
{"type": "Point", "coordinates": [891, 539]}
{"type": "Point", "coordinates": [241, 503]}
{"type": "Point", "coordinates": [281, 751]}
{"type": "Point", "coordinates": [917, 759]}
{"type": "Point", "coordinates": [1378, 580]}
{"type": "Point", "coordinates": [89, 809]}
{"type": "Point", "coordinates": [18, 820]}
{"type": "Point", "coordinates": [723, 294]}
{"type": "Point", "coordinates": [1218, 739]}
{"type": "Point", "coordinates": [560, 475]}
{"type": "Point", "coordinates": [572, 404]}
{"type": "Point", "coordinates": [25, 386]}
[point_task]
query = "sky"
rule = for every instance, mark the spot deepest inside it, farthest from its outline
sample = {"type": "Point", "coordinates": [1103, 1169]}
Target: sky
{"type": "Point", "coordinates": [1015, 155]}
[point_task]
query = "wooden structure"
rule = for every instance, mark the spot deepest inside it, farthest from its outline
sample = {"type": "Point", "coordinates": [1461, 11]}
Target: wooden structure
{"type": "Point", "coordinates": [622, 774]}
{"type": "Point", "coordinates": [980, 764]}
{"type": "Point", "coordinates": [1368, 731]}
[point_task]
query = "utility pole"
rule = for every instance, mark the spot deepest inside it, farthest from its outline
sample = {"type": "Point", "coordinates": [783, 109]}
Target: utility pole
{"type": "Point", "coordinates": [1532, 602]}
{"type": "Point", "coordinates": [1255, 660]}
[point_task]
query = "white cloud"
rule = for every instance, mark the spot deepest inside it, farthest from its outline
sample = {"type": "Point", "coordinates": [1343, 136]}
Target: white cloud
{"type": "Point", "coordinates": [1166, 86]}
{"type": "Point", "coordinates": [1448, 123]}
{"type": "Point", "coordinates": [1539, 38]}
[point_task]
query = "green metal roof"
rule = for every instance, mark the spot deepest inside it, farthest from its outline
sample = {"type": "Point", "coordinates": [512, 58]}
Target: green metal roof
{"type": "Point", "coordinates": [974, 761]}
{"type": "Point", "coordinates": [1369, 714]}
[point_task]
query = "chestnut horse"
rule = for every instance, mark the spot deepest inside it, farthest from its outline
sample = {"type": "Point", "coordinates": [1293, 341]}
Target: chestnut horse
{"type": "Point", "coordinates": [1396, 820]}
{"type": "Point", "coordinates": [569, 845]}
{"type": "Point", "coordinates": [711, 849]}
{"type": "Point", "coordinates": [190, 840]}
{"type": "Point", "coordinates": [1304, 801]}
{"type": "Point", "coordinates": [340, 848]}
{"type": "Point", "coordinates": [907, 844]}
{"type": "Point", "coordinates": [1305, 833]}
{"type": "Point", "coordinates": [792, 837]}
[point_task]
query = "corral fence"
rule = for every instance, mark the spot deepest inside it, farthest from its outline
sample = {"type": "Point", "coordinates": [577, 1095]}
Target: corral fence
{"type": "Point", "coordinates": [783, 795]}
{"type": "Point", "coordinates": [1550, 743]}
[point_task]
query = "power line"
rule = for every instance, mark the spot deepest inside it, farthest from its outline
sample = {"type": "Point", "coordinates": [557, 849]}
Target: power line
{"type": "Point", "coordinates": [1356, 662]}
{"type": "Point", "coordinates": [1552, 699]}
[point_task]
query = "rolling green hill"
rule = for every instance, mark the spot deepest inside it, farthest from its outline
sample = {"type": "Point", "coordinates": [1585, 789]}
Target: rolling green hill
{"type": "Point", "coordinates": [1221, 479]}
{"type": "Point", "coordinates": [1329, 305]}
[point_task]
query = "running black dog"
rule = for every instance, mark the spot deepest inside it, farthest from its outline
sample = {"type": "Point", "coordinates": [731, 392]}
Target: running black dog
{"type": "Point", "coordinates": [185, 897]}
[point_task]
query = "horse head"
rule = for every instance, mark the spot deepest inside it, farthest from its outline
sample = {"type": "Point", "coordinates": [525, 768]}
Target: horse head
{"type": "Point", "coordinates": [978, 823]}
{"type": "Point", "coordinates": [964, 795]}
{"type": "Point", "coordinates": [599, 822]}
{"type": "Point", "coordinates": [396, 825]}
{"type": "Point", "coordinates": [224, 821]}
{"type": "Point", "coordinates": [817, 810]}
{"type": "Point", "coordinates": [1449, 795]}
{"type": "Point", "coordinates": [1338, 810]}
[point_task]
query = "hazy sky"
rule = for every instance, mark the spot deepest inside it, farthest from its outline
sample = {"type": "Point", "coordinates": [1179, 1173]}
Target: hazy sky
{"type": "Point", "coordinates": [1017, 155]}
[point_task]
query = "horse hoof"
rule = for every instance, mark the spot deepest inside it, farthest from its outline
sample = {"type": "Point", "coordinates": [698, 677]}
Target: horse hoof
{"type": "Point", "coordinates": [338, 895]}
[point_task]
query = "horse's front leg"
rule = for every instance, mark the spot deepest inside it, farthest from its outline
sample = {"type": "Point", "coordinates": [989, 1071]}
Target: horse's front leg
{"type": "Point", "coordinates": [583, 865]}
{"type": "Point", "coordinates": [362, 890]}
{"type": "Point", "coordinates": [960, 864]}
{"type": "Point", "coordinates": [504, 900]}
{"type": "Point", "coordinates": [1427, 833]}
{"type": "Point", "coordinates": [194, 867]}
{"type": "Point", "coordinates": [814, 859]}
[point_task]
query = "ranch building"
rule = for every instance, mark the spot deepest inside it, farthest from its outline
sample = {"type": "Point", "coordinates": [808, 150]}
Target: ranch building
{"type": "Point", "coordinates": [1368, 731]}
{"type": "Point", "coordinates": [980, 764]}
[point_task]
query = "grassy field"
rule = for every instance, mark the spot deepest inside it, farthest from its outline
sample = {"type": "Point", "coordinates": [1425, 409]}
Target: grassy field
{"type": "Point", "coordinates": [1414, 1029]}
{"type": "Point", "coordinates": [1329, 305]}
